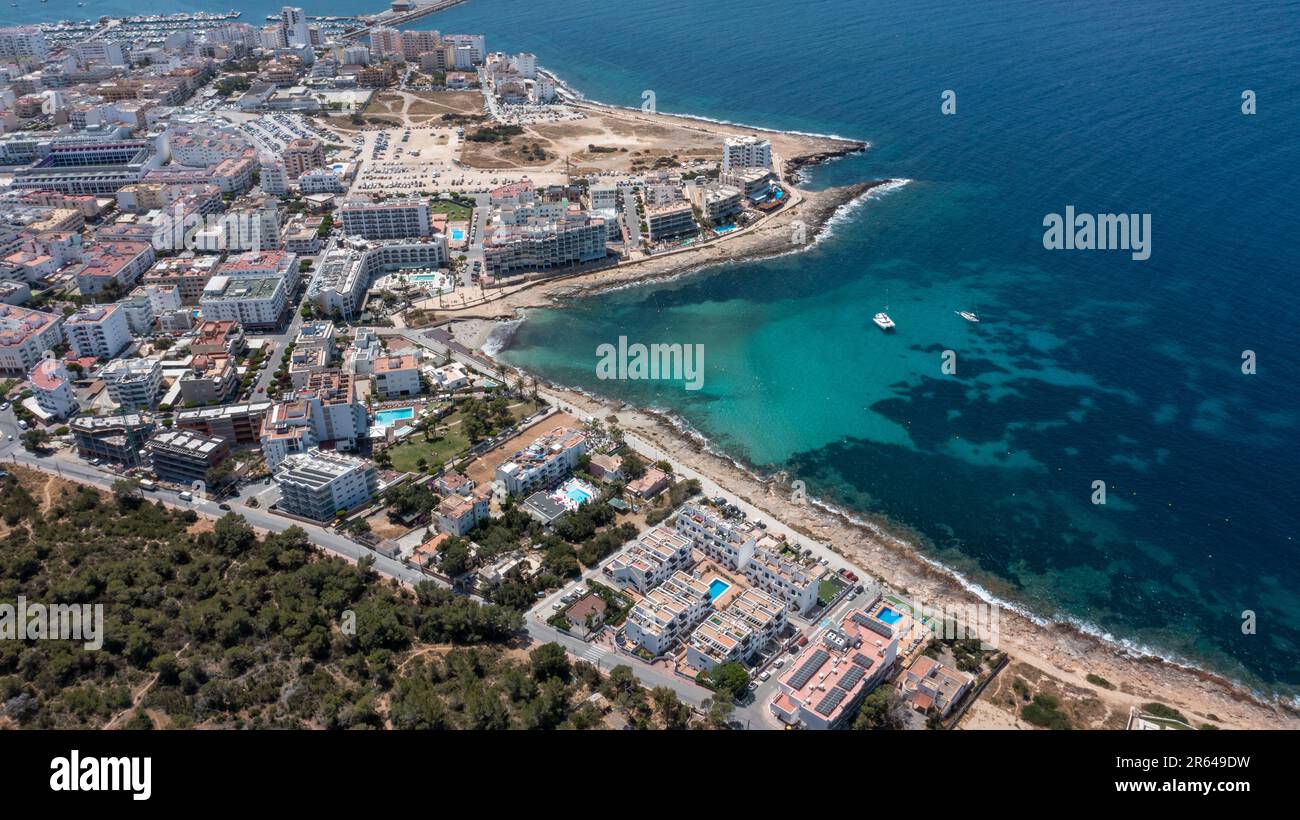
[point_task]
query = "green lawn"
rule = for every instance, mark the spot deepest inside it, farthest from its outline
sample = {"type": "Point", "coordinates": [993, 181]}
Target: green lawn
{"type": "Point", "coordinates": [439, 451]}
{"type": "Point", "coordinates": [828, 589]}
{"type": "Point", "coordinates": [454, 211]}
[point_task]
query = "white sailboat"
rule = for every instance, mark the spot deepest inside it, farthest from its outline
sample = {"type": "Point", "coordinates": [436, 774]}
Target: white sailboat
{"type": "Point", "coordinates": [883, 321]}
{"type": "Point", "coordinates": [968, 315]}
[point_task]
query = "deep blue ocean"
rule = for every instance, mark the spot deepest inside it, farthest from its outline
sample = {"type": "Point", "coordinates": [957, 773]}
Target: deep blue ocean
{"type": "Point", "coordinates": [1087, 365]}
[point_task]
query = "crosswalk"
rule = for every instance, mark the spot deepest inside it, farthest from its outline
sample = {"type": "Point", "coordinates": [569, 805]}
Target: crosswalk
{"type": "Point", "coordinates": [594, 654]}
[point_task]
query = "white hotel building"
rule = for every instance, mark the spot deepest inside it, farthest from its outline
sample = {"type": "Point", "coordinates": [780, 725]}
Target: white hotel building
{"type": "Point", "coordinates": [254, 302]}
{"type": "Point", "coordinates": [746, 548]}
{"type": "Point", "coordinates": [390, 219]}
{"type": "Point", "coordinates": [100, 331]}
{"type": "Point", "coordinates": [746, 152]}
{"type": "Point", "coordinates": [545, 461]}
{"type": "Point", "coordinates": [317, 484]}
{"type": "Point", "coordinates": [656, 555]}
{"type": "Point", "coordinates": [667, 613]}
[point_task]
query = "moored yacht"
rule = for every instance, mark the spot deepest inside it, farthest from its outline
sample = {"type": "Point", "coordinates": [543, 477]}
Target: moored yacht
{"type": "Point", "coordinates": [883, 321]}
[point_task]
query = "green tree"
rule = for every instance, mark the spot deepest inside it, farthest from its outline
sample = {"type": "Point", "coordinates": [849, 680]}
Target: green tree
{"type": "Point", "coordinates": [550, 661]}
{"type": "Point", "coordinates": [729, 679]}
{"type": "Point", "coordinates": [34, 440]}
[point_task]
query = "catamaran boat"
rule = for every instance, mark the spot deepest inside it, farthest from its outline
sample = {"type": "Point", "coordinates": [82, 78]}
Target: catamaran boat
{"type": "Point", "coordinates": [883, 321]}
{"type": "Point", "coordinates": [968, 315]}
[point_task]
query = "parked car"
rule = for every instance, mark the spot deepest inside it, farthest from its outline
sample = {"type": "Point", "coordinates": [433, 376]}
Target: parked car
{"type": "Point", "coordinates": [223, 507]}
{"type": "Point", "coordinates": [764, 675]}
{"type": "Point", "coordinates": [859, 588]}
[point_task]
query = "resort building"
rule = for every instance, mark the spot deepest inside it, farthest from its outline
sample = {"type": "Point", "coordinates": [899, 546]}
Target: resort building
{"type": "Point", "coordinates": [25, 335]}
{"type": "Point", "coordinates": [715, 201]}
{"type": "Point", "coordinates": [827, 682]}
{"type": "Point", "coordinates": [98, 331]}
{"type": "Point", "coordinates": [746, 548]}
{"type": "Point", "coordinates": [458, 514]}
{"type": "Point", "coordinates": [541, 244]}
{"type": "Point", "coordinates": [303, 154]}
{"type": "Point", "coordinates": [669, 220]}
{"type": "Point", "coordinates": [132, 383]}
{"type": "Point", "coordinates": [397, 375]}
{"type": "Point", "coordinates": [749, 623]}
{"type": "Point", "coordinates": [545, 461]}
{"type": "Point", "coordinates": [118, 439]}
{"type": "Point", "coordinates": [317, 485]}
{"type": "Point", "coordinates": [656, 555]}
{"type": "Point", "coordinates": [324, 414]}
{"type": "Point", "coordinates": [388, 219]}
{"type": "Point", "coordinates": [184, 456]}
{"type": "Point", "coordinates": [52, 388]}
{"type": "Point", "coordinates": [746, 152]}
{"type": "Point", "coordinates": [667, 613]}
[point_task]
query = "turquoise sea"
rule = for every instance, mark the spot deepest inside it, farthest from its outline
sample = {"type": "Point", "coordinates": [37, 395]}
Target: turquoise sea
{"type": "Point", "coordinates": [1087, 365]}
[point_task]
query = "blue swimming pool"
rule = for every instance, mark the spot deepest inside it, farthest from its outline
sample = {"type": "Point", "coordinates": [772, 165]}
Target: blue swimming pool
{"type": "Point", "coordinates": [578, 495]}
{"type": "Point", "coordinates": [457, 234]}
{"type": "Point", "coordinates": [716, 587]}
{"type": "Point", "coordinates": [889, 616]}
{"type": "Point", "coordinates": [387, 418]}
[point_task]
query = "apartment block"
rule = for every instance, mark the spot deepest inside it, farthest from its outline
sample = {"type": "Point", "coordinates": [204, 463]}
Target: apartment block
{"type": "Point", "coordinates": [119, 439]}
{"type": "Point", "coordinates": [389, 219]}
{"type": "Point", "coordinates": [318, 485]}
{"type": "Point", "coordinates": [25, 335]}
{"type": "Point", "coordinates": [132, 383]}
{"type": "Point", "coordinates": [184, 456]}
{"type": "Point", "coordinates": [656, 555]}
{"type": "Point", "coordinates": [99, 331]}
{"type": "Point", "coordinates": [545, 461]}
{"type": "Point", "coordinates": [396, 376]}
{"type": "Point", "coordinates": [667, 613]}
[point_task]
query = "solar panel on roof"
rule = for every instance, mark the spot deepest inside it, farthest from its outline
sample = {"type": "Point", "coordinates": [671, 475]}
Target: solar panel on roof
{"type": "Point", "coordinates": [831, 700]}
{"type": "Point", "coordinates": [809, 668]}
{"type": "Point", "coordinates": [861, 660]}
{"type": "Point", "coordinates": [874, 625]}
{"type": "Point", "coordinates": [851, 677]}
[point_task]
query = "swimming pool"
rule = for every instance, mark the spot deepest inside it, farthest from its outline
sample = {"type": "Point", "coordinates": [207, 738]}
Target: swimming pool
{"type": "Point", "coordinates": [577, 495]}
{"type": "Point", "coordinates": [889, 616]}
{"type": "Point", "coordinates": [387, 418]}
{"type": "Point", "coordinates": [457, 234]}
{"type": "Point", "coordinates": [716, 587]}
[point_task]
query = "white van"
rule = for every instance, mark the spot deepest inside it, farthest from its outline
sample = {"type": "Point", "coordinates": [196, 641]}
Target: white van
{"type": "Point", "coordinates": [146, 484]}
{"type": "Point", "coordinates": [186, 495]}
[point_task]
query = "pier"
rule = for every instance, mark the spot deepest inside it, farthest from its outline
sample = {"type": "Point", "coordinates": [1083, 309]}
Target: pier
{"type": "Point", "coordinates": [394, 19]}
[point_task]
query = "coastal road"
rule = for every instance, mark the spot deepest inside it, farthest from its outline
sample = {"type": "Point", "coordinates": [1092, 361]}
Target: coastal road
{"type": "Point", "coordinates": [73, 469]}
